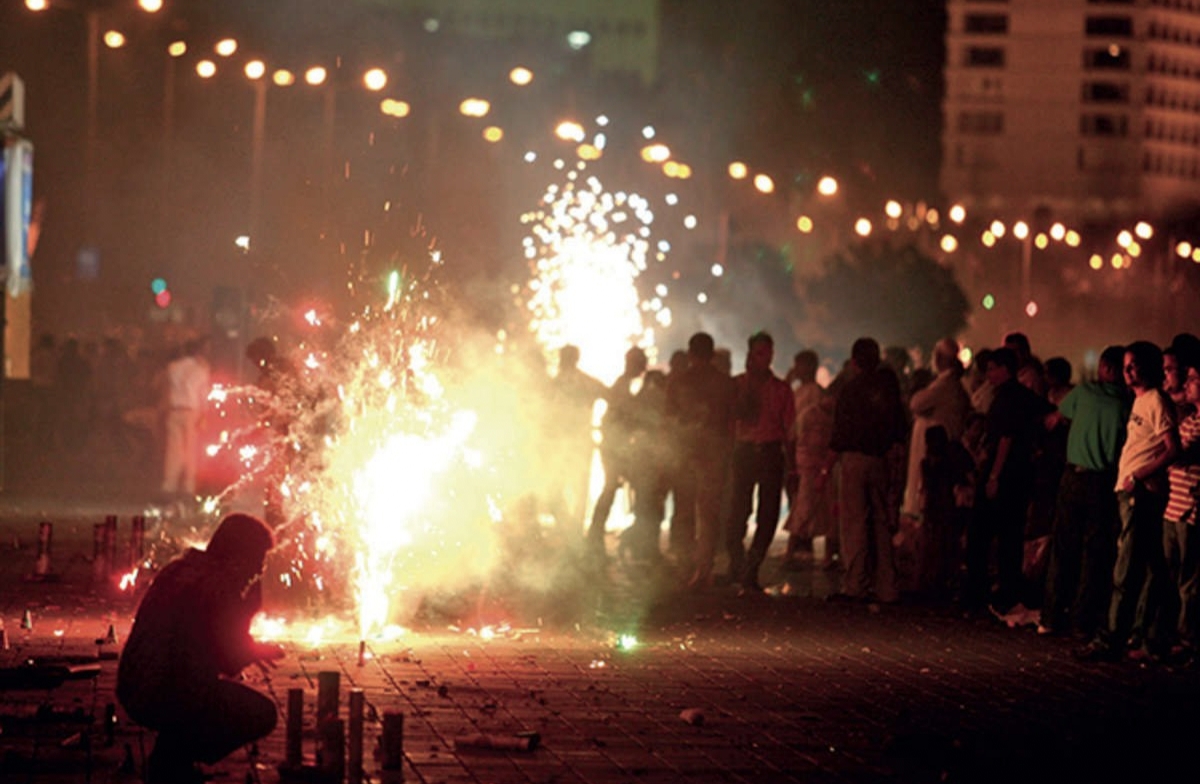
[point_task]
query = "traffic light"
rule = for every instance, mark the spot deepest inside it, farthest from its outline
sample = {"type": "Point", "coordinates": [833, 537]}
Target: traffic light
{"type": "Point", "coordinates": [162, 294]}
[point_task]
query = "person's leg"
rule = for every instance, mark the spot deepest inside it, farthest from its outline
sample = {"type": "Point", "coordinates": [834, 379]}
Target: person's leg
{"type": "Point", "coordinates": [228, 717]}
{"type": "Point", "coordinates": [769, 466]}
{"type": "Point", "coordinates": [854, 512]}
{"type": "Point", "coordinates": [880, 527]}
{"type": "Point", "coordinates": [740, 505]}
{"type": "Point", "coordinates": [1010, 544]}
{"type": "Point", "coordinates": [711, 480]}
{"type": "Point", "coordinates": [683, 533]}
{"type": "Point", "coordinates": [1189, 586]}
{"type": "Point", "coordinates": [1066, 555]}
{"type": "Point", "coordinates": [980, 531]}
{"type": "Point", "coordinates": [605, 500]}
{"type": "Point", "coordinates": [1100, 522]}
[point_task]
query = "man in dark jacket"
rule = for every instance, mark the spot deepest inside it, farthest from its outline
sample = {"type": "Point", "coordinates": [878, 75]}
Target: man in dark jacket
{"type": "Point", "coordinates": [868, 424]}
{"type": "Point", "coordinates": [190, 637]}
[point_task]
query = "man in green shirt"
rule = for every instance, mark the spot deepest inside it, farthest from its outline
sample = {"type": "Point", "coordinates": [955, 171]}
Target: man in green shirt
{"type": "Point", "coordinates": [1083, 544]}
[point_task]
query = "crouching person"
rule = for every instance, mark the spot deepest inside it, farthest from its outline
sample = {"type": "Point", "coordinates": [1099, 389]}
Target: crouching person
{"type": "Point", "coordinates": [190, 638]}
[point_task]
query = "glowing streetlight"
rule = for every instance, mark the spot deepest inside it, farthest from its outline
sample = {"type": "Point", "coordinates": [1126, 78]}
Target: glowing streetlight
{"type": "Point", "coordinates": [997, 229]}
{"type": "Point", "coordinates": [393, 108]}
{"type": "Point", "coordinates": [150, 6]}
{"type": "Point", "coordinates": [764, 184]}
{"type": "Point", "coordinates": [949, 243]}
{"type": "Point", "coordinates": [177, 48]}
{"type": "Point", "coordinates": [827, 186]}
{"type": "Point", "coordinates": [958, 213]}
{"type": "Point", "coordinates": [804, 224]}
{"type": "Point", "coordinates": [37, 5]}
{"type": "Point", "coordinates": [893, 209]}
{"type": "Point", "coordinates": [493, 133]}
{"type": "Point", "coordinates": [206, 69]}
{"type": "Point", "coordinates": [226, 47]}
{"type": "Point", "coordinates": [1096, 261]}
{"type": "Point", "coordinates": [283, 77]}
{"type": "Point", "coordinates": [520, 76]}
{"type": "Point", "coordinates": [1183, 250]}
{"type": "Point", "coordinates": [474, 107]}
{"type": "Point", "coordinates": [114, 39]}
{"type": "Point", "coordinates": [1124, 239]}
{"type": "Point", "coordinates": [375, 79]}
{"type": "Point", "coordinates": [656, 153]}
{"type": "Point", "coordinates": [569, 131]}
{"type": "Point", "coordinates": [315, 76]}
{"type": "Point", "coordinates": [1058, 232]}
{"type": "Point", "coordinates": [1144, 230]}
{"type": "Point", "coordinates": [738, 170]}
{"type": "Point", "coordinates": [862, 227]}
{"type": "Point", "coordinates": [255, 70]}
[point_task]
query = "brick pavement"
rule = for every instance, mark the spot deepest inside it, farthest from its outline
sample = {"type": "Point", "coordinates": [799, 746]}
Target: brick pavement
{"type": "Point", "coordinates": [790, 689]}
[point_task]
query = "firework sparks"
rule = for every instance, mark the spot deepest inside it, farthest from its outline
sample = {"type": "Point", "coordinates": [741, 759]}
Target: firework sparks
{"type": "Point", "coordinates": [587, 248]}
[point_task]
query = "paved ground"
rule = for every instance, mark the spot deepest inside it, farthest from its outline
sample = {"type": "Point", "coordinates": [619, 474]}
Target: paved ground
{"type": "Point", "coordinates": [786, 687]}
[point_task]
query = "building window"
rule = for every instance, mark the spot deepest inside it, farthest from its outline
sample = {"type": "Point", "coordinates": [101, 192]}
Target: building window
{"type": "Point", "coordinates": [1105, 92]}
{"type": "Point", "coordinates": [981, 123]}
{"type": "Point", "coordinates": [984, 57]}
{"type": "Point", "coordinates": [1115, 58]}
{"type": "Point", "coordinates": [986, 24]}
{"type": "Point", "coordinates": [1109, 125]}
{"type": "Point", "coordinates": [1117, 26]}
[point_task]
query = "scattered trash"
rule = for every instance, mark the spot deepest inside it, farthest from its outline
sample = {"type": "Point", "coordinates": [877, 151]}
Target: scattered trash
{"type": "Point", "coordinates": [693, 716]}
{"type": "Point", "coordinates": [522, 741]}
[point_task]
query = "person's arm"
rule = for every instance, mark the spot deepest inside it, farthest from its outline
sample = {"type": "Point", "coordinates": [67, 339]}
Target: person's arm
{"type": "Point", "coordinates": [993, 480]}
{"type": "Point", "coordinates": [1163, 459]}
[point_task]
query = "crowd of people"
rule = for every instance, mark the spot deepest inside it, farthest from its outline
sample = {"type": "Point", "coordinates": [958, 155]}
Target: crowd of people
{"type": "Point", "coordinates": [106, 398]}
{"type": "Point", "coordinates": [1002, 487]}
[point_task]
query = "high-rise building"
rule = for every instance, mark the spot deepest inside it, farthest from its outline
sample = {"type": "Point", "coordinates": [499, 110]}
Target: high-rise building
{"type": "Point", "coordinates": [1087, 108]}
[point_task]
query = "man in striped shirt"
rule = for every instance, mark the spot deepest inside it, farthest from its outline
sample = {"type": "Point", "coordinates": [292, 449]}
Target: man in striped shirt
{"type": "Point", "coordinates": [1180, 540]}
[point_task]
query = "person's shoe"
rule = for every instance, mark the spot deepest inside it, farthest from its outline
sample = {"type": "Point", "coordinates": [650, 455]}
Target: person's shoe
{"type": "Point", "coordinates": [750, 587]}
{"type": "Point", "coordinates": [1096, 651]}
{"type": "Point", "coordinates": [1144, 655]}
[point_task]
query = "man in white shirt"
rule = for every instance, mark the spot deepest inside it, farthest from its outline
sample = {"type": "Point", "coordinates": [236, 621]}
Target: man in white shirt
{"type": "Point", "coordinates": [187, 386]}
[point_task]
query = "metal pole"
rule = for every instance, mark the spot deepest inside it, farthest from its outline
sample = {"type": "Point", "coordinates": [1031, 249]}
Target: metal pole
{"type": "Point", "coordinates": [354, 750]}
{"type": "Point", "coordinates": [91, 153]}
{"type": "Point", "coordinates": [256, 156]}
{"type": "Point", "coordinates": [293, 750]}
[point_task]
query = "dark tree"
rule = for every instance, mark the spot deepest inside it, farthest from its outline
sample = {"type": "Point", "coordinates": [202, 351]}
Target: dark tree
{"type": "Point", "coordinates": [899, 296]}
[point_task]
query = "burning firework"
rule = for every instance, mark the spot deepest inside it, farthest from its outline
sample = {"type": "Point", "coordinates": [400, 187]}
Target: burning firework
{"type": "Point", "coordinates": [587, 248]}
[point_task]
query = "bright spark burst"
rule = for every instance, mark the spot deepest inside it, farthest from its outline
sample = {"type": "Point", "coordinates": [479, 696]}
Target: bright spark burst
{"type": "Point", "coordinates": [587, 248]}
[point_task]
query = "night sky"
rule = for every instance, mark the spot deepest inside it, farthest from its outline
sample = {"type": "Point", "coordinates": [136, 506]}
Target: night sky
{"type": "Point", "coordinates": [800, 89]}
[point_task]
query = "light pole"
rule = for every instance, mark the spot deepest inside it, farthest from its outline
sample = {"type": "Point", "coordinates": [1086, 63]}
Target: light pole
{"type": "Point", "coordinates": [92, 25]}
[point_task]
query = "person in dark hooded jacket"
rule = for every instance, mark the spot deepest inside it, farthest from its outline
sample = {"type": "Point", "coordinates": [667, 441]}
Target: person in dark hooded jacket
{"type": "Point", "coordinates": [190, 639]}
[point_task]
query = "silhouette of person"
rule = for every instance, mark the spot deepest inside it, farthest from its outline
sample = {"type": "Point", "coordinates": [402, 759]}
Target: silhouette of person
{"type": "Point", "coordinates": [190, 637]}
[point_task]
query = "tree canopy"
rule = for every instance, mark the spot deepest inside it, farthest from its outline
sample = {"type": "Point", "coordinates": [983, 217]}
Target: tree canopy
{"type": "Point", "coordinates": [899, 296]}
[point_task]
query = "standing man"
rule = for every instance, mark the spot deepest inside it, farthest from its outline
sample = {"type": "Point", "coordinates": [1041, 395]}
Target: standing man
{"type": "Point", "coordinates": [188, 384]}
{"type": "Point", "coordinates": [1015, 420]}
{"type": "Point", "coordinates": [1084, 533]}
{"type": "Point", "coordinates": [764, 414]}
{"type": "Point", "coordinates": [868, 425]}
{"type": "Point", "coordinates": [1140, 578]}
{"type": "Point", "coordinates": [573, 396]}
{"type": "Point", "coordinates": [190, 640]}
{"type": "Point", "coordinates": [700, 403]}
{"type": "Point", "coordinates": [616, 446]}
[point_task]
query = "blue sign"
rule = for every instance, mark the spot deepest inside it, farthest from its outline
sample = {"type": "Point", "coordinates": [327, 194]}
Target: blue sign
{"type": "Point", "coordinates": [16, 213]}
